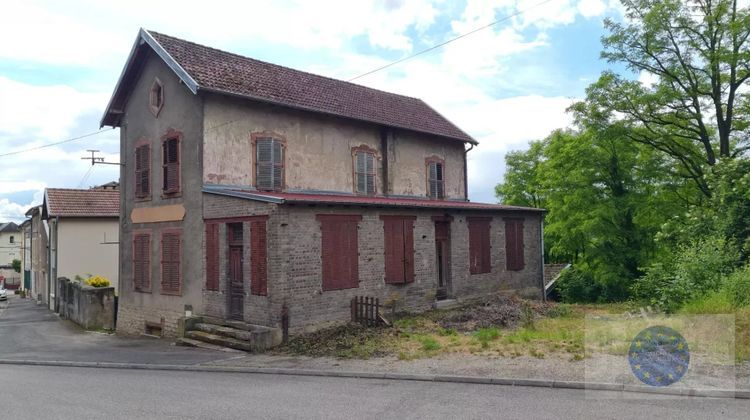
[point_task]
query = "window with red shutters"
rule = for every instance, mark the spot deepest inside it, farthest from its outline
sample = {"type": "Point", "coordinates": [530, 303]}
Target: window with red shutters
{"type": "Point", "coordinates": [142, 262]}
{"type": "Point", "coordinates": [399, 248]}
{"type": "Point", "coordinates": [340, 252]}
{"type": "Point", "coordinates": [258, 258]}
{"type": "Point", "coordinates": [171, 165]}
{"type": "Point", "coordinates": [514, 258]}
{"type": "Point", "coordinates": [212, 256]}
{"type": "Point", "coordinates": [170, 261]}
{"type": "Point", "coordinates": [479, 245]}
{"type": "Point", "coordinates": [143, 171]}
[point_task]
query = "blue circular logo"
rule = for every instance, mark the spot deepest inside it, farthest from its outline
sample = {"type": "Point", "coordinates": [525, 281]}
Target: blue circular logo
{"type": "Point", "coordinates": [659, 356]}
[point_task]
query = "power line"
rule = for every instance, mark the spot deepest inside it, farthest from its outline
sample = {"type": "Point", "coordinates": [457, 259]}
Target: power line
{"type": "Point", "coordinates": [434, 47]}
{"type": "Point", "coordinates": [55, 143]}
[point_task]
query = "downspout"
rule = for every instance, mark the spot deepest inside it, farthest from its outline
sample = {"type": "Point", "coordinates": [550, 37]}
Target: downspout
{"type": "Point", "coordinates": [541, 259]}
{"type": "Point", "coordinates": [384, 152]}
{"type": "Point", "coordinates": [466, 172]}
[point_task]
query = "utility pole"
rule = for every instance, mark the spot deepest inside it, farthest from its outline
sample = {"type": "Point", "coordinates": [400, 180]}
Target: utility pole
{"type": "Point", "coordinates": [98, 159]}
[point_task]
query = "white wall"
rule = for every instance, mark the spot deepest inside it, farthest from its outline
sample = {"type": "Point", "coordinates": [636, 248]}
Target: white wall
{"type": "Point", "coordinates": [10, 251]}
{"type": "Point", "coordinates": [88, 246]}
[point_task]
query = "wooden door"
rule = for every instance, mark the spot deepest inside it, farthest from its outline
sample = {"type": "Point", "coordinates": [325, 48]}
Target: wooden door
{"type": "Point", "coordinates": [442, 259]}
{"type": "Point", "coordinates": [236, 284]}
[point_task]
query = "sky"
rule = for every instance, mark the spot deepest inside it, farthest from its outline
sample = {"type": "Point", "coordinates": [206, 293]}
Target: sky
{"type": "Point", "coordinates": [505, 85]}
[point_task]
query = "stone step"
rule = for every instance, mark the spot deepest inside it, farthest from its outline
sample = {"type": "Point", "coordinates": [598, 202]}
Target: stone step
{"type": "Point", "coordinates": [220, 340]}
{"type": "Point", "coordinates": [189, 342]}
{"type": "Point", "coordinates": [226, 331]}
{"type": "Point", "coordinates": [235, 324]}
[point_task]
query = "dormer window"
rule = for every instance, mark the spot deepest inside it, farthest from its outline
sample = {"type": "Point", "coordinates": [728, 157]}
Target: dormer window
{"type": "Point", "coordinates": [364, 171]}
{"type": "Point", "coordinates": [435, 178]}
{"type": "Point", "coordinates": [269, 162]}
{"type": "Point", "coordinates": [156, 97]}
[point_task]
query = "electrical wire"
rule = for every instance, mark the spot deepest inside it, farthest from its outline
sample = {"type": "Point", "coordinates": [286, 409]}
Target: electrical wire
{"type": "Point", "coordinates": [55, 143]}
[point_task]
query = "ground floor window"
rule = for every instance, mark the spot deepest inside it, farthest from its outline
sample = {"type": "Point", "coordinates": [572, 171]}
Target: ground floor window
{"type": "Point", "coordinates": [171, 252]}
{"type": "Point", "coordinates": [479, 245]}
{"type": "Point", "coordinates": [399, 248]}
{"type": "Point", "coordinates": [339, 251]}
{"type": "Point", "coordinates": [142, 261]}
{"type": "Point", "coordinates": [514, 258]}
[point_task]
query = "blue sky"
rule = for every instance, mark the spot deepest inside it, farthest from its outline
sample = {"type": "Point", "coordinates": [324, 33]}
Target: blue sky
{"type": "Point", "coordinates": [505, 86]}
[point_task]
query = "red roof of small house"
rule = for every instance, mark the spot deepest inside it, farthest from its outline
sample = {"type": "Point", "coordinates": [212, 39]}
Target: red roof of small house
{"type": "Point", "coordinates": [212, 70]}
{"type": "Point", "coordinates": [64, 202]}
{"type": "Point", "coordinates": [357, 200]}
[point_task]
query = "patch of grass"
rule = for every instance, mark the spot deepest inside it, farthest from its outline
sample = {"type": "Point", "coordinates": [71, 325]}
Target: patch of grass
{"type": "Point", "coordinates": [447, 332]}
{"type": "Point", "coordinates": [713, 303]}
{"type": "Point", "coordinates": [429, 343]}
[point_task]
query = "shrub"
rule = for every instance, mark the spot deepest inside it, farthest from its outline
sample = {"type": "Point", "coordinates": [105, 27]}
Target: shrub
{"type": "Point", "coordinates": [736, 287]}
{"type": "Point", "coordinates": [97, 281]}
{"type": "Point", "coordinates": [429, 343]}
{"type": "Point", "coordinates": [577, 286]}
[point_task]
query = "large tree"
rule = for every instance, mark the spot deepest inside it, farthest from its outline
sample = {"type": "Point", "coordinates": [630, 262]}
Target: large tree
{"type": "Point", "coordinates": [699, 56]}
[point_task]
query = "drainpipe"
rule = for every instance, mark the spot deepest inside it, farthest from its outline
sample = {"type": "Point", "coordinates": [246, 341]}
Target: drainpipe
{"type": "Point", "coordinates": [541, 259]}
{"type": "Point", "coordinates": [384, 152]}
{"type": "Point", "coordinates": [466, 172]}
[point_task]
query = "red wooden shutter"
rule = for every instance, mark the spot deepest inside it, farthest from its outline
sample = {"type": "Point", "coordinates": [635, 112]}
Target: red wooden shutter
{"type": "Point", "coordinates": [212, 256]}
{"type": "Point", "coordinates": [339, 251]}
{"type": "Point", "coordinates": [514, 244]}
{"type": "Point", "coordinates": [479, 245]}
{"type": "Point", "coordinates": [398, 234]}
{"type": "Point", "coordinates": [142, 171]}
{"type": "Point", "coordinates": [171, 159]}
{"type": "Point", "coordinates": [170, 261]}
{"type": "Point", "coordinates": [142, 262]}
{"type": "Point", "coordinates": [258, 258]}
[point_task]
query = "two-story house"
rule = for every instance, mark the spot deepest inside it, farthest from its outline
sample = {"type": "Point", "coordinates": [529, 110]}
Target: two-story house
{"type": "Point", "coordinates": [255, 192]}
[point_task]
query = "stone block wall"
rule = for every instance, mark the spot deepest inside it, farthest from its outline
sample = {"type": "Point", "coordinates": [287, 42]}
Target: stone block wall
{"type": "Point", "coordinates": [92, 308]}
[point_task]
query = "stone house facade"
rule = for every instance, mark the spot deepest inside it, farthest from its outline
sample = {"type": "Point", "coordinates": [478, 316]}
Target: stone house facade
{"type": "Point", "coordinates": [255, 192]}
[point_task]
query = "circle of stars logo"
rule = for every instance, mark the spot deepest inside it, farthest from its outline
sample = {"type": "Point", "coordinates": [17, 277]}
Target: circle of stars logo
{"type": "Point", "coordinates": [659, 356]}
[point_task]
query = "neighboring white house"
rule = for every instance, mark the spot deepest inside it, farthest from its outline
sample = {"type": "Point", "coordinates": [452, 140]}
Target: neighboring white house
{"type": "Point", "coordinates": [83, 233]}
{"type": "Point", "coordinates": [10, 249]}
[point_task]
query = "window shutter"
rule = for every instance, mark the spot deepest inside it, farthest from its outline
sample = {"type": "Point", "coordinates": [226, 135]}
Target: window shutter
{"type": "Point", "coordinates": [514, 244]}
{"type": "Point", "coordinates": [399, 248]}
{"type": "Point", "coordinates": [361, 171]}
{"type": "Point", "coordinates": [170, 262]}
{"type": "Point", "coordinates": [258, 258]}
{"type": "Point", "coordinates": [435, 180]}
{"type": "Point", "coordinates": [479, 245]}
{"type": "Point", "coordinates": [269, 165]}
{"type": "Point", "coordinates": [408, 250]}
{"type": "Point", "coordinates": [212, 256]}
{"type": "Point", "coordinates": [171, 163]}
{"type": "Point", "coordinates": [339, 251]}
{"type": "Point", "coordinates": [142, 262]}
{"type": "Point", "coordinates": [278, 165]}
{"type": "Point", "coordinates": [142, 171]}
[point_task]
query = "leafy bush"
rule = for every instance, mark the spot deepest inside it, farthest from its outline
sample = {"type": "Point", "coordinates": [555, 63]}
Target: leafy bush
{"type": "Point", "coordinates": [696, 270]}
{"type": "Point", "coordinates": [98, 281]}
{"type": "Point", "coordinates": [577, 286]}
{"type": "Point", "coordinates": [736, 287]}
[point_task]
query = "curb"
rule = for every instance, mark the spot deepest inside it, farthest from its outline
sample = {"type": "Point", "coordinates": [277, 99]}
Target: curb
{"type": "Point", "coordinates": [544, 383]}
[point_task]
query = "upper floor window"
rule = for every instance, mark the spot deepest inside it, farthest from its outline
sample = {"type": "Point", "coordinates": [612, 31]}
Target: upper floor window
{"type": "Point", "coordinates": [12, 239]}
{"type": "Point", "coordinates": [143, 171]}
{"type": "Point", "coordinates": [171, 165]}
{"type": "Point", "coordinates": [269, 163]}
{"type": "Point", "coordinates": [364, 172]}
{"type": "Point", "coordinates": [435, 178]}
{"type": "Point", "coordinates": [156, 97]}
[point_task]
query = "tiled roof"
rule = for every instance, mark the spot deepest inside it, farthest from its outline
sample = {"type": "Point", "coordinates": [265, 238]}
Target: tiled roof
{"type": "Point", "coordinates": [64, 202]}
{"type": "Point", "coordinates": [355, 200]}
{"type": "Point", "coordinates": [226, 73]}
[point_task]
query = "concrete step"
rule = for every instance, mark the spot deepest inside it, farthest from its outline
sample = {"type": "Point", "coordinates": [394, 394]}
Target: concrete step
{"type": "Point", "coordinates": [220, 340]}
{"type": "Point", "coordinates": [189, 342]}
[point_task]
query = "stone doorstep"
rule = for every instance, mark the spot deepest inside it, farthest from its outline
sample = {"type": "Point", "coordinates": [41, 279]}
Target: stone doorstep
{"type": "Point", "coordinates": [189, 342]}
{"type": "Point", "coordinates": [220, 340]}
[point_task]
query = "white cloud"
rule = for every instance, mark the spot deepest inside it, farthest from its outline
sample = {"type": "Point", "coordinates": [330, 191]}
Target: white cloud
{"type": "Point", "coordinates": [648, 79]}
{"type": "Point", "coordinates": [591, 8]}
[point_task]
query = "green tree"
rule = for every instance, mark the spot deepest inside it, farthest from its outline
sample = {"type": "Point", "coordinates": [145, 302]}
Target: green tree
{"type": "Point", "coordinates": [698, 51]}
{"type": "Point", "coordinates": [521, 186]}
{"type": "Point", "coordinates": [16, 264]}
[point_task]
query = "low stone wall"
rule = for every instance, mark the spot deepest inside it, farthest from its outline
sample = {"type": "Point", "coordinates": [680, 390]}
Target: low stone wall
{"type": "Point", "coordinates": [92, 308]}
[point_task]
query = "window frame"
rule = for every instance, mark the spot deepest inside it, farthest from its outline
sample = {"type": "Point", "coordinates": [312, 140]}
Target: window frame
{"type": "Point", "coordinates": [254, 138]}
{"type": "Point", "coordinates": [170, 135]}
{"type": "Point", "coordinates": [345, 223]}
{"type": "Point", "coordinates": [435, 160]}
{"type": "Point", "coordinates": [163, 233]}
{"type": "Point", "coordinates": [142, 143]}
{"type": "Point", "coordinates": [156, 99]}
{"type": "Point", "coordinates": [364, 149]}
{"type": "Point", "coordinates": [480, 244]}
{"type": "Point", "coordinates": [149, 249]}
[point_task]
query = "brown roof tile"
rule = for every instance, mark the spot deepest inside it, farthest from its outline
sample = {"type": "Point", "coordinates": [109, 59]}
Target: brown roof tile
{"type": "Point", "coordinates": [228, 73]}
{"type": "Point", "coordinates": [65, 202]}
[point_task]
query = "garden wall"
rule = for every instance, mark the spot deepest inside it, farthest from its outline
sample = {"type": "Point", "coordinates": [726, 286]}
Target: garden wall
{"type": "Point", "coordinates": [93, 308]}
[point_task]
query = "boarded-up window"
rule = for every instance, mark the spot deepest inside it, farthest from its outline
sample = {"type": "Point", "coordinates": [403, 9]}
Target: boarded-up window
{"type": "Point", "coordinates": [514, 258]}
{"type": "Point", "coordinates": [212, 256]}
{"type": "Point", "coordinates": [364, 172]}
{"type": "Point", "coordinates": [339, 249]}
{"type": "Point", "coordinates": [171, 165]}
{"type": "Point", "coordinates": [269, 164]}
{"type": "Point", "coordinates": [435, 181]}
{"type": "Point", "coordinates": [258, 258]}
{"type": "Point", "coordinates": [142, 262]}
{"type": "Point", "coordinates": [399, 248]}
{"type": "Point", "coordinates": [479, 245]}
{"type": "Point", "coordinates": [170, 262]}
{"type": "Point", "coordinates": [143, 171]}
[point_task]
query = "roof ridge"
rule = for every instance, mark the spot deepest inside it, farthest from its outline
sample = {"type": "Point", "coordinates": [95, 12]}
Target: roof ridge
{"type": "Point", "coordinates": [82, 189]}
{"type": "Point", "coordinates": [244, 57]}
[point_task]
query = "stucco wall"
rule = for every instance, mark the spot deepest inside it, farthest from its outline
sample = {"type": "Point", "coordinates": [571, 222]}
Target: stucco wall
{"type": "Point", "coordinates": [10, 251]}
{"type": "Point", "coordinates": [81, 248]}
{"type": "Point", "coordinates": [319, 149]}
{"type": "Point", "coordinates": [182, 111]}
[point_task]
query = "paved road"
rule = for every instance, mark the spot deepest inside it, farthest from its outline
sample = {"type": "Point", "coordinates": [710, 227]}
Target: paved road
{"type": "Point", "coordinates": [34, 392]}
{"type": "Point", "coordinates": [31, 332]}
